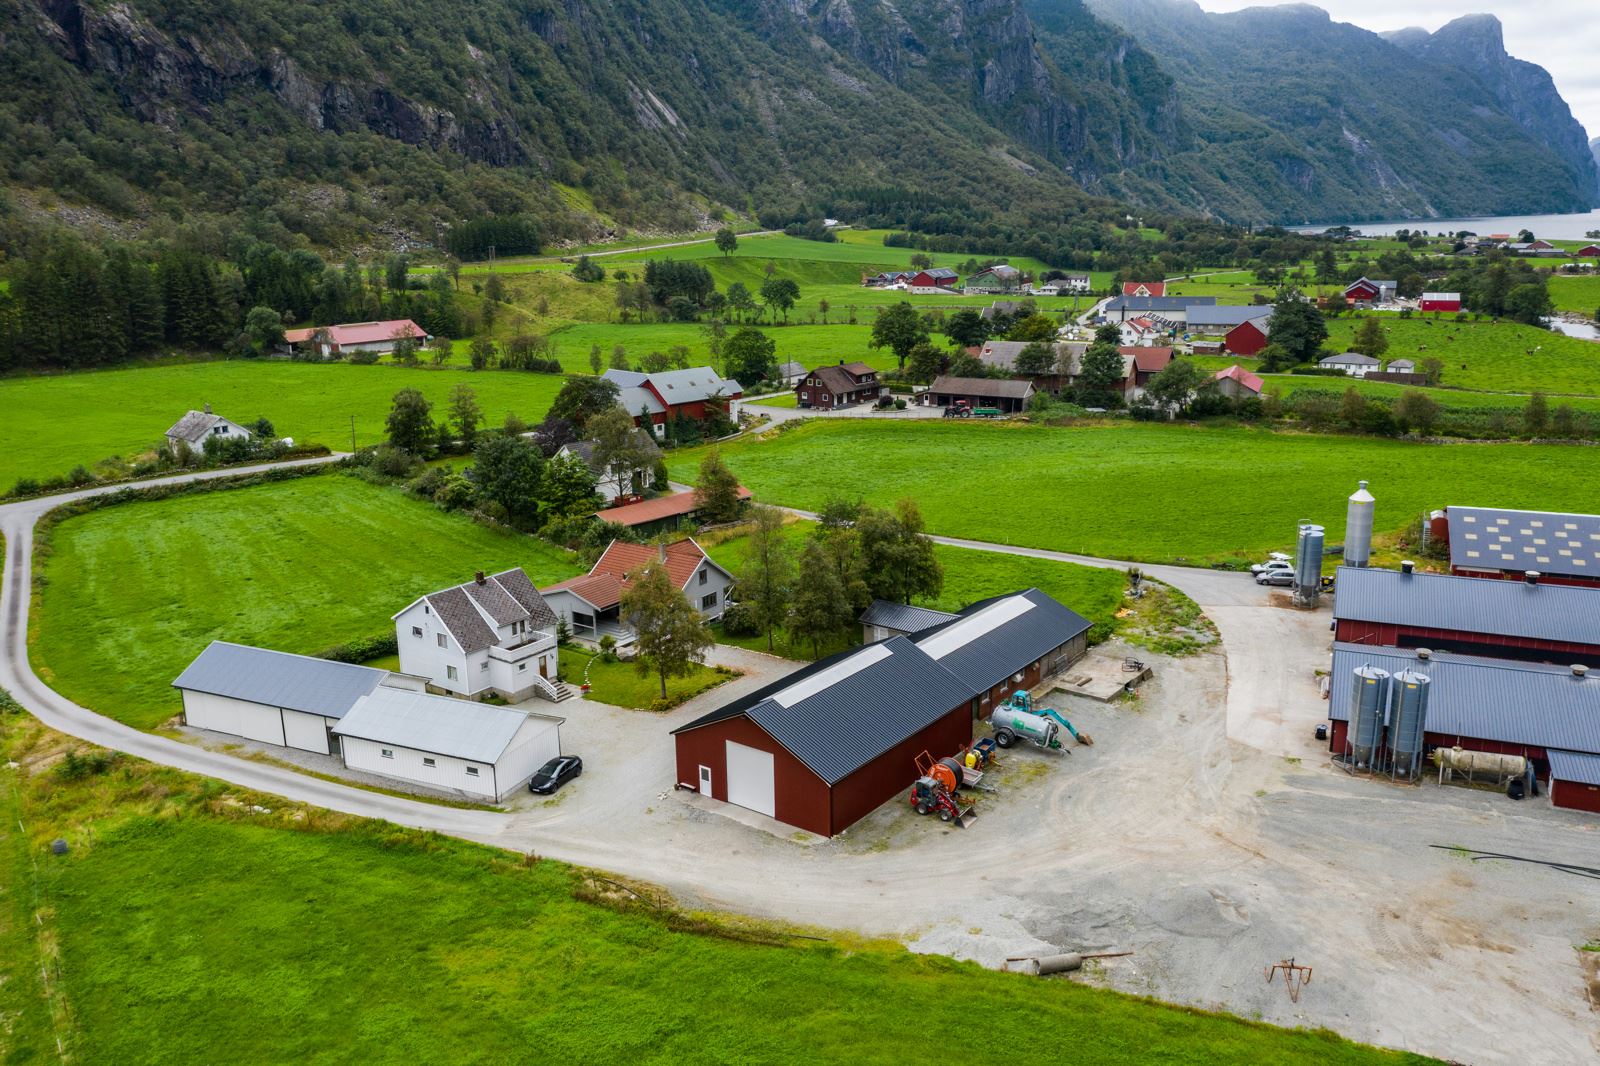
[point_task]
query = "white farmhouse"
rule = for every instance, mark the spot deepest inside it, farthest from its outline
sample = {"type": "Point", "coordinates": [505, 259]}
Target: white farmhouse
{"type": "Point", "coordinates": [476, 750]}
{"type": "Point", "coordinates": [494, 634]}
{"type": "Point", "coordinates": [1352, 364]}
{"type": "Point", "coordinates": [591, 604]}
{"type": "Point", "coordinates": [613, 484]}
{"type": "Point", "coordinates": [196, 427]}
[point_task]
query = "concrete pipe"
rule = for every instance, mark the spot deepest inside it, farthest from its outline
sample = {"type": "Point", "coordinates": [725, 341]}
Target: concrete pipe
{"type": "Point", "coordinates": [1058, 963]}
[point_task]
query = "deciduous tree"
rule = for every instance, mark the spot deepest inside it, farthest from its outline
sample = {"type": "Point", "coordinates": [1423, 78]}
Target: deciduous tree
{"type": "Point", "coordinates": [749, 357]}
{"type": "Point", "coordinates": [897, 558]}
{"type": "Point", "coordinates": [672, 637]}
{"type": "Point", "coordinates": [581, 398]}
{"type": "Point", "coordinates": [820, 608]}
{"type": "Point", "coordinates": [716, 491]}
{"type": "Point", "coordinates": [900, 329]}
{"type": "Point", "coordinates": [767, 581]}
{"type": "Point", "coordinates": [409, 423]}
{"type": "Point", "coordinates": [727, 241]}
{"type": "Point", "coordinates": [510, 472]}
{"type": "Point", "coordinates": [465, 413]}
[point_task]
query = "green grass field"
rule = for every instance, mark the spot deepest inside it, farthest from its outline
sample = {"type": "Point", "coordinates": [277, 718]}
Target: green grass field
{"type": "Point", "coordinates": [811, 345]}
{"type": "Point", "coordinates": [297, 566]}
{"type": "Point", "coordinates": [53, 423]}
{"type": "Point", "coordinates": [185, 927]}
{"type": "Point", "coordinates": [1488, 356]}
{"type": "Point", "coordinates": [1575, 292]}
{"type": "Point", "coordinates": [1144, 492]}
{"type": "Point", "coordinates": [621, 685]}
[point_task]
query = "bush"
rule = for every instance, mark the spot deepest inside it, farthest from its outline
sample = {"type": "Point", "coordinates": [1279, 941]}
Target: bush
{"type": "Point", "coordinates": [899, 404]}
{"type": "Point", "coordinates": [363, 358]}
{"type": "Point", "coordinates": [739, 621]}
{"type": "Point", "coordinates": [75, 767]}
{"type": "Point", "coordinates": [388, 461]}
{"type": "Point", "coordinates": [362, 649]}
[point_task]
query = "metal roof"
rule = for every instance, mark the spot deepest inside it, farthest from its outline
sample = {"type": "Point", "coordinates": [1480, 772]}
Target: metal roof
{"type": "Point", "coordinates": [993, 388]}
{"type": "Point", "coordinates": [1566, 613]}
{"type": "Point", "coordinates": [1349, 359]}
{"type": "Point", "coordinates": [903, 617]}
{"type": "Point", "coordinates": [1229, 315]}
{"type": "Point", "coordinates": [1574, 766]}
{"type": "Point", "coordinates": [995, 638]}
{"type": "Point", "coordinates": [1488, 699]}
{"type": "Point", "coordinates": [840, 713]}
{"type": "Point", "coordinates": [1495, 538]}
{"type": "Point", "coordinates": [439, 725]}
{"type": "Point", "coordinates": [279, 679]}
{"type": "Point", "coordinates": [1159, 303]}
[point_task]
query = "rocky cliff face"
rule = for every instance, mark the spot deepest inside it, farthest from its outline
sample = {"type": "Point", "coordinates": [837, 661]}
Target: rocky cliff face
{"type": "Point", "coordinates": [1476, 44]}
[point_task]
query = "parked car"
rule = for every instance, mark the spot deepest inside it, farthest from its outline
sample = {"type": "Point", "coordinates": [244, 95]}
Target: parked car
{"type": "Point", "coordinates": [555, 773]}
{"type": "Point", "coordinates": [1276, 577]}
{"type": "Point", "coordinates": [1272, 564]}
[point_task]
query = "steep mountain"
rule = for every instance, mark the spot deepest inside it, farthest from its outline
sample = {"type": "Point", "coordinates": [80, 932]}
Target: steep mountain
{"type": "Point", "coordinates": [1300, 117]}
{"type": "Point", "coordinates": [1594, 149]}
{"type": "Point", "coordinates": [1476, 44]}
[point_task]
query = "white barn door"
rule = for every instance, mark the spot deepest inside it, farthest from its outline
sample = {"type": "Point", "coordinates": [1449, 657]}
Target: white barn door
{"type": "Point", "coordinates": [751, 782]}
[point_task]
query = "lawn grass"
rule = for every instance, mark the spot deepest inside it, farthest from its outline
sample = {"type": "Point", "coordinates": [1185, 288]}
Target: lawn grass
{"type": "Point", "coordinates": [969, 576]}
{"type": "Point", "coordinates": [1576, 292]}
{"type": "Point", "coordinates": [783, 399]}
{"type": "Point", "coordinates": [197, 923]}
{"type": "Point", "coordinates": [1488, 356]}
{"type": "Point", "coordinates": [131, 593]}
{"type": "Point", "coordinates": [621, 685]}
{"type": "Point", "coordinates": [1140, 491]}
{"type": "Point", "coordinates": [52, 423]}
{"type": "Point", "coordinates": [811, 345]}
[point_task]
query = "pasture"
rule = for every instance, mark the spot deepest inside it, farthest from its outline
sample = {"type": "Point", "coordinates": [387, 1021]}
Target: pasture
{"type": "Point", "coordinates": [1152, 493]}
{"type": "Point", "coordinates": [1487, 356]}
{"type": "Point", "coordinates": [273, 565]}
{"type": "Point", "coordinates": [1576, 292]}
{"type": "Point", "coordinates": [55, 422]}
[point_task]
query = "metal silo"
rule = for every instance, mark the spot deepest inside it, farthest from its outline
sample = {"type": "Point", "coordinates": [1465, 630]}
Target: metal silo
{"type": "Point", "coordinates": [1308, 557]}
{"type": "Point", "coordinates": [1358, 528]}
{"type": "Point", "coordinates": [1409, 721]}
{"type": "Point", "coordinates": [1369, 699]}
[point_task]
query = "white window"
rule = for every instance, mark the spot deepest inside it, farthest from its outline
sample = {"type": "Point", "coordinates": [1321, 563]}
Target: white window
{"type": "Point", "coordinates": [429, 762]}
{"type": "Point", "coordinates": [416, 631]}
{"type": "Point", "coordinates": [450, 672]}
{"type": "Point", "coordinates": [387, 753]}
{"type": "Point", "coordinates": [440, 637]}
{"type": "Point", "coordinates": [472, 771]}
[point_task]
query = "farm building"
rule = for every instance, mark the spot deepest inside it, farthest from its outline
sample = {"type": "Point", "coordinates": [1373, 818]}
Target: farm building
{"type": "Point", "coordinates": [1144, 288]}
{"type": "Point", "coordinates": [1367, 291]}
{"type": "Point", "coordinates": [475, 750]}
{"type": "Point", "coordinates": [1008, 397]}
{"type": "Point", "coordinates": [648, 517]}
{"type": "Point", "coordinates": [1172, 308]}
{"type": "Point", "coordinates": [1000, 308]}
{"type": "Point", "coordinates": [492, 635]}
{"type": "Point", "coordinates": [1533, 247]}
{"type": "Point", "coordinates": [1588, 251]}
{"type": "Point", "coordinates": [1002, 277]}
{"type": "Point", "coordinates": [887, 279]}
{"type": "Point", "coordinates": [1499, 543]}
{"type": "Point", "coordinates": [591, 604]}
{"type": "Point", "coordinates": [654, 400]}
{"type": "Point", "coordinates": [824, 747]}
{"type": "Point", "coordinates": [1548, 714]}
{"type": "Point", "coordinates": [841, 385]}
{"type": "Point", "coordinates": [197, 427]}
{"type": "Point", "coordinates": [791, 372]}
{"type": "Point", "coordinates": [1440, 302]}
{"type": "Point", "coordinates": [1147, 363]}
{"type": "Point", "coordinates": [1221, 318]}
{"type": "Point", "coordinates": [273, 697]}
{"type": "Point", "coordinates": [1525, 620]}
{"type": "Point", "coordinates": [884, 619]}
{"type": "Point", "coordinates": [1070, 283]}
{"type": "Point", "coordinates": [933, 280]}
{"type": "Point", "coordinates": [1206, 347]}
{"type": "Point", "coordinates": [333, 342]}
{"type": "Point", "coordinates": [1352, 364]}
{"type": "Point", "coordinates": [827, 745]}
{"type": "Point", "coordinates": [1247, 338]}
{"type": "Point", "coordinates": [1400, 366]}
{"type": "Point", "coordinates": [612, 484]}
{"type": "Point", "coordinates": [1237, 383]}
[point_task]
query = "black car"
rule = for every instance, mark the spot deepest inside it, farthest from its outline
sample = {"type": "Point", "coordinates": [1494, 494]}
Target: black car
{"type": "Point", "coordinates": [555, 773]}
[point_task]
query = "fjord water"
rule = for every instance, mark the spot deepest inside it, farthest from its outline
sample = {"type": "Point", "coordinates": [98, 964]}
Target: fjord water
{"type": "Point", "coordinates": [1549, 227]}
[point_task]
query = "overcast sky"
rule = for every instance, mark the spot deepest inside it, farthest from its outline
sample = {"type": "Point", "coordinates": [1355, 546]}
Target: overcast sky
{"type": "Point", "coordinates": [1563, 36]}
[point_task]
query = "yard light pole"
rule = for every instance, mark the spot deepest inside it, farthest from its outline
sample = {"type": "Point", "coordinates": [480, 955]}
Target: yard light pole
{"type": "Point", "coordinates": [352, 434]}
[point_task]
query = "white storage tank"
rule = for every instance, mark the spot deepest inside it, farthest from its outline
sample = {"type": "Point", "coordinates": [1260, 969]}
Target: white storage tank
{"type": "Point", "coordinates": [1358, 528]}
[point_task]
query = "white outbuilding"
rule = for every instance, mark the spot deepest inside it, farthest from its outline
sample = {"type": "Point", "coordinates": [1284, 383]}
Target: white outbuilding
{"type": "Point", "coordinates": [474, 750]}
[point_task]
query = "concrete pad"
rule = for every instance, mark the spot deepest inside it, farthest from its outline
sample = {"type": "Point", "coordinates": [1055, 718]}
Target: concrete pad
{"type": "Point", "coordinates": [1100, 675]}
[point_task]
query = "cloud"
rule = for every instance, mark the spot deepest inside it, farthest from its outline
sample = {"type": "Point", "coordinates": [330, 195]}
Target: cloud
{"type": "Point", "coordinates": [1563, 36]}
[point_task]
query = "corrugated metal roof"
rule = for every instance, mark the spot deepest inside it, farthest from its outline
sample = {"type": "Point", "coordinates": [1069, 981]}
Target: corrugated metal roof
{"type": "Point", "coordinates": [1490, 699]}
{"type": "Point", "coordinates": [1229, 315]}
{"type": "Point", "coordinates": [857, 714]}
{"type": "Point", "coordinates": [1158, 303]}
{"type": "Point", "coordinates": [1496, 538]}
{"type": "Point", "coordinates": [1574, 766]}
{"type": "Point", "coordinates": [436, 724]}
{"type": "Point", "coordinates": [903, 617]}
{"type": "Point", "coordinates": [993, 639]}
{"type": "Point", "coordinates": [1566, 613]}
{"type": "Point", "coordinates": [994, 388]}
{"type": "Point", "coordinates": [279, 679]}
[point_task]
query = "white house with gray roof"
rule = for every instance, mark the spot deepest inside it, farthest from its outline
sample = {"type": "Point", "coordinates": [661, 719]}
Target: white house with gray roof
{"type": "Point", "coordinates": [494, 634]}
{"type": "Point", "coordinates": [196, 427]}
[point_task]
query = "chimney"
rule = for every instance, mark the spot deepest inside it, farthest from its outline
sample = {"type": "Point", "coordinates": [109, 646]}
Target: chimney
{"type": "Point", "coordinates": [208, 408]}
{"type": "Point", "coordinates": [1424, 654]}
{"type": "Point", "coordinates": [661, 552]}
{"type": "Point", "coordinates": [1579, 670]}
{"type": "Point", "coordinates": [1531, 576]}
{"type": "Point", "coordinates": [479, 577]}
{"type": "Point", "coordinates": [1407, 566]}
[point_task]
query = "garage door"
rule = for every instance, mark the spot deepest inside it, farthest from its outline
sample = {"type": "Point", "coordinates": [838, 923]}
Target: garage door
{"type": "Point", "coordinates": [750, 779]}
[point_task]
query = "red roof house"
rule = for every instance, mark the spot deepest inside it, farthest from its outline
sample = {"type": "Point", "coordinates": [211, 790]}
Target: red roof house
{"type": "Point", "coordinates": [1237, 383]}
{"type": "Point", "coordinates": [358, 336]}
{"type": "Point", "coordinates": [1144, 288]}
{"type": "Point", "coordinates": [590, 604]}
{"type": "Point", "coordinates": [1147, 363]}
{"type": "Point", "coordinates": [661, 511]}
{"type": "Point", "coordinates": [1248, 337]}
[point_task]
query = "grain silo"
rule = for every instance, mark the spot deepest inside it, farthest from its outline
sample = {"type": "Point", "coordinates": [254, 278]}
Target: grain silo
{"type": "Point", "coordinates": [1308, 564]}
{"type": "Point", "coordinates": [1358, 528]}
{"type": "Point", "coordinates": [1369, 700]}
{"type": "Point", "coordinates": [1408, 721]}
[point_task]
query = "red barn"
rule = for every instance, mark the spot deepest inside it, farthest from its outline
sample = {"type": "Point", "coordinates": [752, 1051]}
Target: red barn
{"type": "Point", "coordinates": [657, 399]}
{"type": "Point", "coordinates": [936, 278]}
{"type": "Point", "coordinates": [1144, 288]}
{"type": "Point", "coordinates": [1588, 251]}
{"type": "Point", "coordinates": [1497, 542]}
{"type": "Point", "coordinates": [1441, 302]}
{"type": "Point", "coordinates": [1248, 337]}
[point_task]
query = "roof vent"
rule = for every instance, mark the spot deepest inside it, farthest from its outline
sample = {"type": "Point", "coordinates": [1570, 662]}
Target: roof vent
{"type": "Point", "coordinates": [1424, 654]}
{"type": "Point", "coordinates": [479, 577]}
{"type": "Point", "coordinates": [1531, 576]}
{"type": "Point", "coordinates": [1579, 670]}
{"type": "Point", "coordinates": [1407, 566]}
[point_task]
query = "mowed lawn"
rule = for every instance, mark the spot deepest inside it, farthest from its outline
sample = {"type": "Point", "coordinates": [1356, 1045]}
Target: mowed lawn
{"type": "Point", "coordinates": [1488, 356]}
{"type": "Point", "coordinates": [53, 423]}
{"type": "Point", "coordinates": [133, 592]}
{"type": "Point", "coordinates": [189, 938]}
{"type": "Point", "coordinates": [1145, 492]}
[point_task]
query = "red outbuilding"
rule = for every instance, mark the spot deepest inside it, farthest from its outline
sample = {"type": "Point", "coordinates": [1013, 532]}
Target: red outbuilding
{"type": "Point", "coordinates": [1249, 337]}
{"type": "Point", "coordinates": [1144, 288]}
{"type": "Point", "coordinates": [1589, 251]}
{"type": "Point", "coordinates": [1441, 302]}
{"type": "Point", "coordinates": [1498, 542]}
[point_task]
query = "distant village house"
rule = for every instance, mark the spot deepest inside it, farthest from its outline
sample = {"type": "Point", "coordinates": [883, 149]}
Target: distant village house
{"type": "Point", "coordinates": [197, 427]}
{"type": "Point", "coordinates": [334, 342]}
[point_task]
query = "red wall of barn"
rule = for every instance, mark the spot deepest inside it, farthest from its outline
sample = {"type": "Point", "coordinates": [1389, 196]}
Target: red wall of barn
{"type": "Point", "coordinates": [800, 797]}
{"type": "Point", "coordinates": [1338, 732]}
{"type": "Point", "coordinates": [1517, 575]}
{"type": "Point", "coordinates": [1244, 340]}
{"type": "Point", "coordinates": [1383, 635]}
{"type": "Point", "coordinates": [1450, 306]}
{"type": "Point", "coordinates": [892, 773]}
{"type": "Point", "coordinates": [1574, 796]}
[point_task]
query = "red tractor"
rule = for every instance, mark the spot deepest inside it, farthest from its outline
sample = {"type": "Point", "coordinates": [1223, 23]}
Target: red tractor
{"type": "Point", "coordinates": [930, 796]}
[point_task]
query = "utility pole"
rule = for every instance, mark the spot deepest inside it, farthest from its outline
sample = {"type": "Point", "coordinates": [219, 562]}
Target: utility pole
{"type": "Point", "coordinates": [352, 434]}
